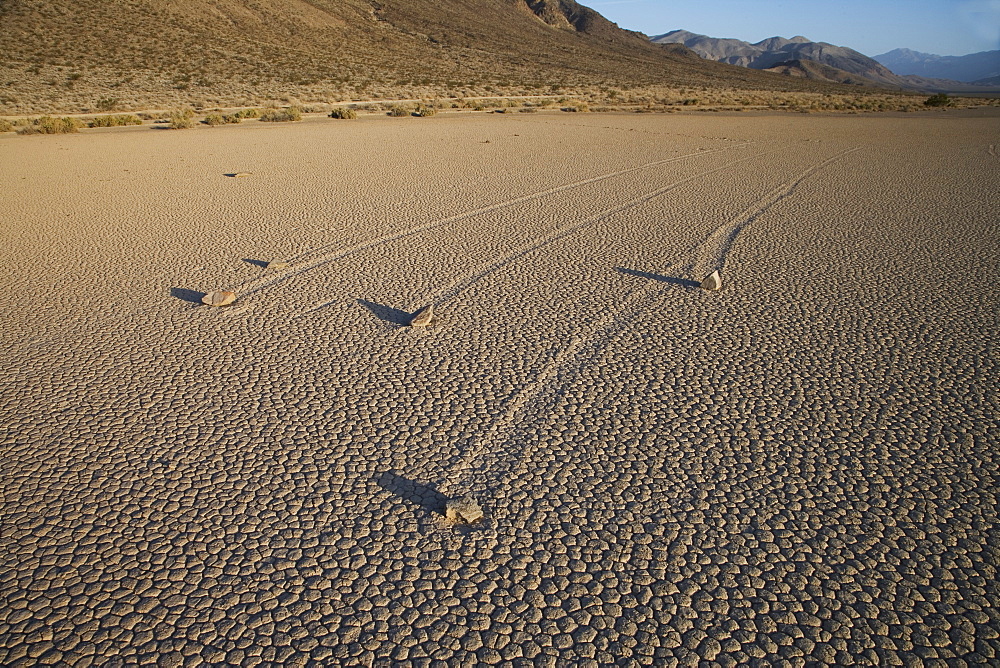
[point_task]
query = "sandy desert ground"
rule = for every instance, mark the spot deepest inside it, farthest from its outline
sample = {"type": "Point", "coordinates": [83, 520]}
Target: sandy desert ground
{"type": "Point", "coordinates": [798, 469]}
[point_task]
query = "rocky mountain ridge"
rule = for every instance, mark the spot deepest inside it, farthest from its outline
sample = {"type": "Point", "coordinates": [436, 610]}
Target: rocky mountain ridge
{"type": "Point", "coordinates": [801, 58]}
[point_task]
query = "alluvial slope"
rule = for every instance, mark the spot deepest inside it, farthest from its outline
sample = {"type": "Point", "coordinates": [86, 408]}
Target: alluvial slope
{"type": "Point", "coordinates": [58, 53]}
{"type": "Point", "coordinates": [810, 69]}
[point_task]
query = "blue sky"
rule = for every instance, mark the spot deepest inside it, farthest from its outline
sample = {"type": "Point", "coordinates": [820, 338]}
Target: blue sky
{"type": "Point", "coordinates": [944, 27]}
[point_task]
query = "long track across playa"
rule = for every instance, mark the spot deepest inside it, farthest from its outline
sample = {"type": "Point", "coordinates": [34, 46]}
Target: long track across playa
{"type": "Point", "coordinates": [798, 469]}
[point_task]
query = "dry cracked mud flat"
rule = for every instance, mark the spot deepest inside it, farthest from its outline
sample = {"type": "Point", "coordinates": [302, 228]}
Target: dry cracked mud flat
{"type": "Point", "coordinates": [798, 469]}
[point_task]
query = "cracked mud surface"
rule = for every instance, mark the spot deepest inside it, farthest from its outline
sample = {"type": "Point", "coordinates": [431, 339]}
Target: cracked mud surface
{"type": "Point", "coordinates": [798, 469]}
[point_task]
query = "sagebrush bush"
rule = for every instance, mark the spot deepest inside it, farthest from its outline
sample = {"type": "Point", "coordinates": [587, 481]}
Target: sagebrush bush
{"type": "Point", "coordinates": [343, 112]}
{"type": "Point", "coordinates": [399, 112]}
{"type": "Point", "coordinates": [115, 121]}
{"type": "Point", "coordinates": [247, 113]}
{"type": "Point", "coordinates": [6, 126]}
{"type": "Point", "coordinates": [425, 110]}
{"type": "Point", "coordinates": [214, 119]}
{"type": "Point", "coordinates": [282, 115]}
{"type": "Point", "coordinates": [938, 100]}
{"type": "Point", "coordinates": [47, 125]}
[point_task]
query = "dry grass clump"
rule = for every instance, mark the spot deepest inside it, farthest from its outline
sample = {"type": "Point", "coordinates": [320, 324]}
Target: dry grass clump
{"type": "Point", "coordinates": [6, 126]}
{"type": "Point", "coordinates": [180, 119]}
{"type": "Point", "coordinates": [282, 115]}
{"type": "Point", "coordinates": [343, 112]}
{"type": "Point", "coordinates": [115, 121]}
{"type": "Point", "coordinates": [222, 119]}
{"type": "Point", "coordinates": [575, 106]}
{"type": "Point", "coordinates": [47, 125]}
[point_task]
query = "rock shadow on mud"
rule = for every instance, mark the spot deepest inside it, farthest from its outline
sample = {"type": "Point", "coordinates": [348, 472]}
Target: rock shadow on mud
{"type": "Point", "coordinates": [393, 316]}
{"type": "Point", "coordinates": [674, 280]}
{"type": "Point", "coordinates": [425, 496]}
{"type": "Point", "coordinates": [192, 296]}
{"type": "Point", "coordinates": [256, 263]}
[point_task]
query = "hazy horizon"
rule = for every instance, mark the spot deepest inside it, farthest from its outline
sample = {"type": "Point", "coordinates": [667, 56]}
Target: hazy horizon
{"type": "Point", "coordinates": [929, 26]}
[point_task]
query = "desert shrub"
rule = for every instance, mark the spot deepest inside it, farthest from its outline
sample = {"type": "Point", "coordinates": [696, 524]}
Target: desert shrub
{"type": "Point", "coordinates": [248, 113]}
{"type": "Point", "coordinates": [6, 126]}
{"type": "Point", "coordinates": [46, 125]}
{"type": "Point", "coordinates": [528, 110]}
{"type": "Point", "coordinates": [343, 112]}
{"type": "Point", "coordinates": [282, 115]}
{"type": "Point", "coordinates": [107, 104]}
{"type": "Point", "coordinates": [179, 119]}
{"type": "Point", "coordinates": [424, 110]}
{"type": "Point", "coordinates": [214, 119]}
{"type": "Point", "coordinates": [115, 121]}
{"type": "Point", "coordinates": [938, 100]}
{"type": "Point", "coordinates": [232, 118]}
{"type": "Point", "coordinates": [398, 112]}
{"type": "Point", "coordinates": [577, 106]}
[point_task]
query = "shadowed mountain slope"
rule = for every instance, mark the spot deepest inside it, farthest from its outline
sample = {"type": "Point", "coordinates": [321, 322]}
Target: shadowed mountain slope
{"type": "Point", "coordinates": [809, 69]}
{"type": "Point", "coordinates": [61, 53]}
{"type": "Point", "coordinates": [979, 67]}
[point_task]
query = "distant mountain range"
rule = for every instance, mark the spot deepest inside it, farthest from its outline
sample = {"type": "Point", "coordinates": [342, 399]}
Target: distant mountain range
{"type": "Point", "coordinates": [800, 57]}
{"type": "Point", "coordinates": [981, 68]}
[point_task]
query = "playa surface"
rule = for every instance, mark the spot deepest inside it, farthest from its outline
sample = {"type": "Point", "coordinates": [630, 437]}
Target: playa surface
{"type": "Point", "coordinates": [799, 467]}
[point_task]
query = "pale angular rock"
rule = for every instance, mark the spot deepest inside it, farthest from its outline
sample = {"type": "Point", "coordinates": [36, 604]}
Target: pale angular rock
{"type": "Point", "coordinates": [219, 298]}
{"type": "Point", "coordinates": [423, 317]}
{"type": "Point", "coordinates": [277, 264]}
{"type": "Point", "coordinates": [712, 282]}
{"type": "Point", "coordinates": [242, 174]}
{"type": "Point", "coordinates": [465, 510]}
